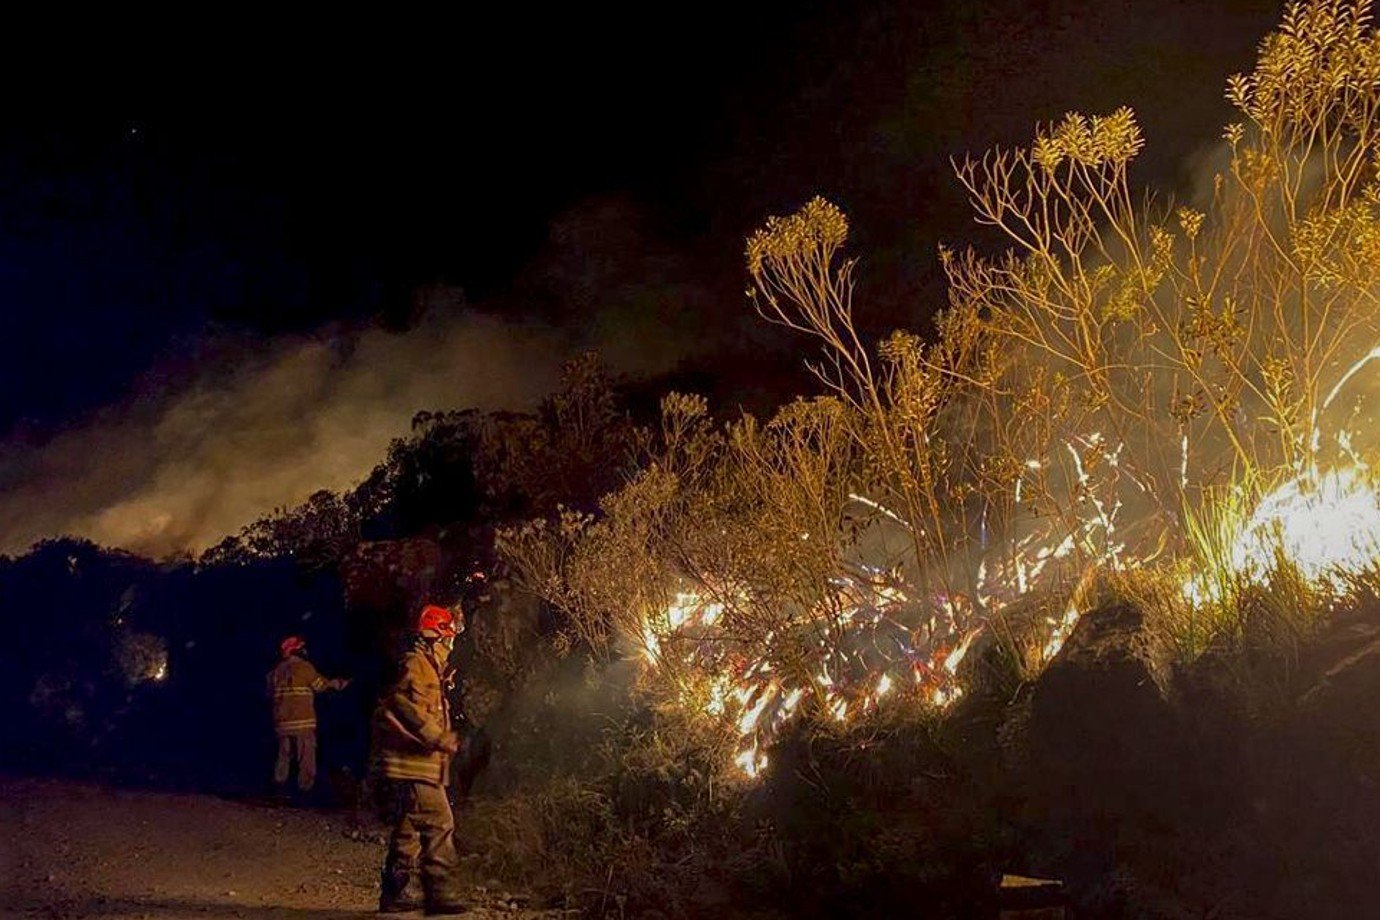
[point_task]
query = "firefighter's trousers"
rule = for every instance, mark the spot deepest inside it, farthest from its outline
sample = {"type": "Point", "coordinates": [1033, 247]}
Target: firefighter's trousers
{"type": "Point", "coordinates": [421, 845]}
{"type": "Point", "coordinates": [301, 747]}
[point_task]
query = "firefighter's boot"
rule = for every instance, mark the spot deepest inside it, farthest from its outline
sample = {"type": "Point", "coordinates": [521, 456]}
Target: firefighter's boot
{"type": "Point", "coordinates": [398, 893]}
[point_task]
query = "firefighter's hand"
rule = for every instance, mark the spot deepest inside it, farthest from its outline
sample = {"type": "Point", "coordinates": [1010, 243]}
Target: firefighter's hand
{"type": "Point", "coordinates": [449, 743]}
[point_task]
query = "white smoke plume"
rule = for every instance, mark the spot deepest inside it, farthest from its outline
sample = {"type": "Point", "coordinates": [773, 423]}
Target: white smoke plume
{"type": "Point", "coordinates": [188, 467]}
{"type": "Point", "coordinates": [260, 425]}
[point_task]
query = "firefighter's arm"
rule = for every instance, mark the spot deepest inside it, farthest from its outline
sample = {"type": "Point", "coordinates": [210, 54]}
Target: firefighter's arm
{"type": "Point", "coordinates": [313, 677]}
{"type": "Point", "coordinates": [422, 721]}
{"type": "Point", "coordinates": [319, 683]}
{"type": "Point", "coordinates": [451, 742]}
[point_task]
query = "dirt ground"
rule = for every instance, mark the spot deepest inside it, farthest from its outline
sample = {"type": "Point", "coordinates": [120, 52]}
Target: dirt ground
{"type": "Point", "coordinates": [71, 850]}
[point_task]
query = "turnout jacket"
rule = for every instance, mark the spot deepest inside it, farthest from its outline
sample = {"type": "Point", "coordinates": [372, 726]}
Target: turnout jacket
{"type": "Point", "coordinates": [411, 720]}
{"type": "Point", "coordinates": [292, 686]}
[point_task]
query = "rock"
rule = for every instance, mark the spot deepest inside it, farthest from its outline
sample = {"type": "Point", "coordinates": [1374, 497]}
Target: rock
{"type": "Point", "coordinates": [1338, 709]}
{"type": "Point", "coordinates": [1099, 738]}
{"type": "Point", "coordinates": [1323, 787]}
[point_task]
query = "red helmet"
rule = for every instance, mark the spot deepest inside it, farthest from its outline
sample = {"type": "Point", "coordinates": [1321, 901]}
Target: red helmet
{"type": "Point", "coordinates": [291, 645]}
{"type": "Point", "coordinates": [441, 621]}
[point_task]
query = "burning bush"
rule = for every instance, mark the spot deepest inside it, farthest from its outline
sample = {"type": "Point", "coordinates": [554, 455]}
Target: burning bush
{"type": "Point", "coordinates": [1134, 386]}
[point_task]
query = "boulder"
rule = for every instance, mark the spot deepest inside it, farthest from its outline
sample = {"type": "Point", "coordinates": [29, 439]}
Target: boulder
{"type": "Point", "coordinates": [1100, 719]}
{"type": "Point", "coordinates": [1097, 748]}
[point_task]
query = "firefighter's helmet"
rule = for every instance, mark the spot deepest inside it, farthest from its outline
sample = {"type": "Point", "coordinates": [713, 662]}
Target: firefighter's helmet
{"type": "Point", "coordinates": [292, 645]}
{"type": "Point", "coordinates": [440, 622]}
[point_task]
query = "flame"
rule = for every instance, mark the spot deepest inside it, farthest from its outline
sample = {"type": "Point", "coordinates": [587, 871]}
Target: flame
{"type": "Point", "coordinates": [880, 627]}
{"type": "Point", "coordinates": [751, 761]}
{"type": "Point", "coordinates": [955, 658]}
{"type": "Point", "coordinates": [882, 621]}
{"type": "Point", "coordinates": [1327, 525]}
{"type": "Point", "coordinates": [718, 693]}
{"type": "Point", "coordinates": [1324, 521]}
{"type": "Point", "coordinates": [748, 721]}
{"type": "Point", "coordinates": [1062, 628]}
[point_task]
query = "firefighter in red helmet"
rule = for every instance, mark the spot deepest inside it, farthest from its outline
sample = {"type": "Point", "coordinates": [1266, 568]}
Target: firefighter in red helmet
{"type": "Point", "coordinates": [292, 687]}
{"type": "Point", "coordinates": [413, 743]}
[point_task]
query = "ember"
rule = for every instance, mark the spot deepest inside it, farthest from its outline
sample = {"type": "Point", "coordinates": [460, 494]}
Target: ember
{"type": "Point", "coordinates": [871, 662]}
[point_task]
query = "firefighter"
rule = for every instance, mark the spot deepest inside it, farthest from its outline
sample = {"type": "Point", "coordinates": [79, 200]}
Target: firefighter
{"type": "Point", "coordinates": [413, 744]}
{"type": "Point", "coordinates": [292, 686]}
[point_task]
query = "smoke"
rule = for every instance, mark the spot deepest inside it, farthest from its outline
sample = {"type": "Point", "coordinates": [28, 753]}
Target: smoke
{"type": "Point", "coordinates": [178, 470]}
{"type": "Point", "coordinates": [195, 455]}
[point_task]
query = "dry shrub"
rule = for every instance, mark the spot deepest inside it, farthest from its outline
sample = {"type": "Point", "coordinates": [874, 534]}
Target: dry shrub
{"type": "Point", "coordinates": [614, 806]}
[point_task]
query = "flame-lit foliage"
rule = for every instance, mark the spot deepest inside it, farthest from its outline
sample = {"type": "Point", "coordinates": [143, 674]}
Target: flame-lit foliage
{"type": "Point", "coordinates": [1089, 396]}
{"type": "Point", "coordinates": [740, 526]}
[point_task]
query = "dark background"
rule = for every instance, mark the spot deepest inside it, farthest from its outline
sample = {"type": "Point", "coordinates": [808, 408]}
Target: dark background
{"type": "Point", "coordinates": [244, 171]}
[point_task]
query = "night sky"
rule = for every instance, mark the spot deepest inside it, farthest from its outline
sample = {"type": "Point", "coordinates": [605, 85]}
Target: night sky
{"type": "Point", "coordinates": [257, 181]}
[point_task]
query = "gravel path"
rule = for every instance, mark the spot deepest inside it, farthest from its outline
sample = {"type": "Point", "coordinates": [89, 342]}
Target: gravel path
{"type": "Point", "coordinates": [72, 850]}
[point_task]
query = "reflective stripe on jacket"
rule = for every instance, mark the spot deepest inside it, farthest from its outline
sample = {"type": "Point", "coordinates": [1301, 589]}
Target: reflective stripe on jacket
{"type": "Point", "coordinates": [411, 720]}
{"type": "Point", "coordinates": [292, 686]}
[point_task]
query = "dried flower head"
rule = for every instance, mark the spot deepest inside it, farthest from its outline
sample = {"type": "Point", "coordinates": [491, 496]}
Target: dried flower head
{"type": "Point", "coordinates": [819, 224]}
